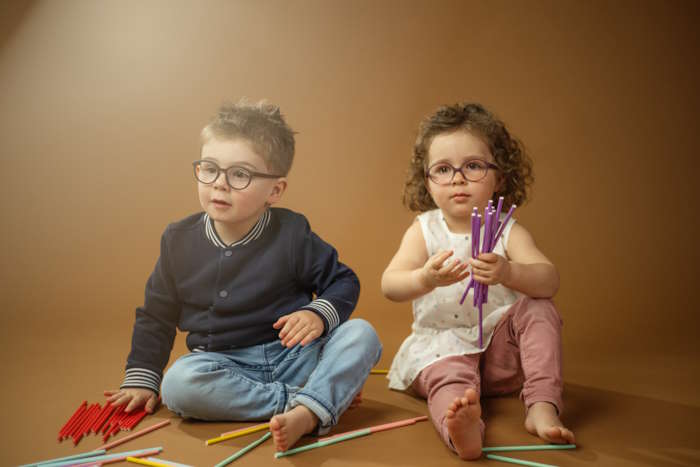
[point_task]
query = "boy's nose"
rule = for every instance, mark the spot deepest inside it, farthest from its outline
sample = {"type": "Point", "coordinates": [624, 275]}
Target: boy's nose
{"type": "Point", "coordinates": [221, 182]}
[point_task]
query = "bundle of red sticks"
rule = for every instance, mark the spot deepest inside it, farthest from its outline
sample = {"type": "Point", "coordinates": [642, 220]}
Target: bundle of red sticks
{"type": "Point", "coordinates": [108, 420]}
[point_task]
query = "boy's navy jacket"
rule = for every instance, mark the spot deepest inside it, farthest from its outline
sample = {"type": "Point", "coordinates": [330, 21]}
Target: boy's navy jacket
{"type": "Point", "coordinates": [229, 297]}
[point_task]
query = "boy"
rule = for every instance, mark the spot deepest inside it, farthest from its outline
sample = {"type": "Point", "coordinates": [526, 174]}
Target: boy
{"type": "Point", "coordinates": [241, 278]}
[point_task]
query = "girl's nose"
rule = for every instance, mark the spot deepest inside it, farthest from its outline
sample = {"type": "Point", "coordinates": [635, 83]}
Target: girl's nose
{"type": "Point", "coordinates": [459, 178]}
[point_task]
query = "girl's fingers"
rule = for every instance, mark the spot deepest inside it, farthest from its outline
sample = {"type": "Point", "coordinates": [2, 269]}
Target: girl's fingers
{"type": "Point", "coordinates": [437, 260]}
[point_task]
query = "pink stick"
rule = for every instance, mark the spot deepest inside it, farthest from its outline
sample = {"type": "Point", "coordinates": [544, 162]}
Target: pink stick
{"type": "Point", "coordinates": [134, 435]}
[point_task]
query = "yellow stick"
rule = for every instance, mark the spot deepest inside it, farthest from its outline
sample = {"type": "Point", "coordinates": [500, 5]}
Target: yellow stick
{"type": "Point", "coordinates": [378, 372]}
{"type": "Point", "coordinates": [136, 460]}
{"type": "Point", "coordinates": [262, 426]}
{"type": "Point", "coordinates": [238, 433]}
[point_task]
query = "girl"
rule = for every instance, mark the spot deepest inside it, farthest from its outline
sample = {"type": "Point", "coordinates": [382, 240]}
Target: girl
{"type": "Point", "coordinates": [464, 157]}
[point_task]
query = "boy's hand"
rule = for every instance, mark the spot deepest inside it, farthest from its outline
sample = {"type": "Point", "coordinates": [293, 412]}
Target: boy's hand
{"type": "Point", "coordinates": [490, 268]}
{"type": "Point", "coordinates": [134, 397]}
{"type": "Point", "coordinates": [301, 326]}
{"type": "Point", "coordinates": [436, 272]}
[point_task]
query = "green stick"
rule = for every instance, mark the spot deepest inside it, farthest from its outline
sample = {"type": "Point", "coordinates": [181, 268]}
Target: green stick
{"type": "Point", "coordinates": [517, 461]}
{"type": "Point", "coordinates": [320, 444]}
{"type": "Point", "coordinates": [534, 447]}
{"type": "Point", "coordinates": [238, 454]}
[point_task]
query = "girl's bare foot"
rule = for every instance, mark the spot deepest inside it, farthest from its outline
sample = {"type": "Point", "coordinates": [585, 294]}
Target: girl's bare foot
{"type": "Point", "coordinates": [464, 425]}
{"type": "Point", "coordinates": [288, 427]}
{"type": "Point", "coordinates": [542, 420]}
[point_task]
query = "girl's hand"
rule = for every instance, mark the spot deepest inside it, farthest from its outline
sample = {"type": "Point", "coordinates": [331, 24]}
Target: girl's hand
{"type": "Point", "coordinates": [437, 272]}
{"type": "Point", "coordinates": [490, 268]}
{"type": "Point", "coordinates": [134, 397]}
{"type": "Point", "coordinates": [301, 326]}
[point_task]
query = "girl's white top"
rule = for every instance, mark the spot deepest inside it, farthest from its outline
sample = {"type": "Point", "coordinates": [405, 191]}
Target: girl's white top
{"type": "Point", "coordinates": [441, 326]}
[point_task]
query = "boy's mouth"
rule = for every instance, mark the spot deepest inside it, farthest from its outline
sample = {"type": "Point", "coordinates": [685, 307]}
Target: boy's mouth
{"type": "Point", "coordinates": [219, 202]}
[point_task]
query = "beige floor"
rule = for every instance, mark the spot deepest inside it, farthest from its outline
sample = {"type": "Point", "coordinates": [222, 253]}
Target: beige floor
{"type": "Point", "coordinates": [55, 371]}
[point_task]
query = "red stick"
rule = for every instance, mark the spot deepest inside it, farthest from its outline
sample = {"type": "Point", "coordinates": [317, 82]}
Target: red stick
{"type": "Point", "coordinates": [76, 423]}
{"type": "Point", "coordinates": [114, 417]}
{"type": "Point", "coordinates": [138, 418]}
{"type": "Point", "coordinates": [100, 414]}
{"type": "Point", "coordinates": [96, 427]}
{"type": "Point", "coordinates": [65, 431]}
{"type": "Point", "coordinates": [91, 420]}
{"type": "Point", "coordinates": [72, 417]}
{"type": "Point", "coordinates": [80, 430]}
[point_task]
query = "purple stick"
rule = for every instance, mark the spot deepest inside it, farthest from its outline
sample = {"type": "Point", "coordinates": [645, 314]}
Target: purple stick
{"type": "Point", "coordinates": [503, 225]}
{"type": "Point", "coordinates": [481, 328]}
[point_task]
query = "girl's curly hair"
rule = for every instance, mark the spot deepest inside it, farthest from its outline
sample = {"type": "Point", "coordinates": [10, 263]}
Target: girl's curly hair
{"type": "Point", "coordinates": [514, 163]}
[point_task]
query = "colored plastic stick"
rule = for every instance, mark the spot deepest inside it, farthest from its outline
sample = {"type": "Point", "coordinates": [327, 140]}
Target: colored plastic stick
{"type": "Point", "coordinates": [67, 458]}
{"type": "Point", "coordinates": [534, 447]}
{"type": "Point", "coordinates": [384, 427]}
{"type": "Point", "coordinates": [134, 435]}
{"type": "Point", "coordinates": [76, 421]}
{"type": "Point", "coordinates": [243, 432]}
{"type": "Point", "coordinates": [377, 371]}
{"type": "Point", "coordinates": [327, 442]}
{"type": "Point", "coordinates": [136, 460]}
{"type": "Point", "coordinates": [243, 451]}
{"type": "Point", "coordinates": [108, 458]}
{"type": "Point", "coordinates": [169, 463]}
{"type": "Point", "coordinates": [512, 460]}
{"type": "Point", "coordinates": [72, 417]}
{"type": "Point", "coordinates": [247, 429]}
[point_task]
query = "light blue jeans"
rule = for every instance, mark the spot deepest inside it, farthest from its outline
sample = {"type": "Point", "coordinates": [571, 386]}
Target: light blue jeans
{"type": "Point", "coordinates": [255, 383]}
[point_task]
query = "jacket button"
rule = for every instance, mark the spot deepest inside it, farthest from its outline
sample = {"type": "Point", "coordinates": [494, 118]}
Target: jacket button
{"type": "Point", "coordinates": [223, 294]}
{"type": "Point", "coordinates": [228, 253]}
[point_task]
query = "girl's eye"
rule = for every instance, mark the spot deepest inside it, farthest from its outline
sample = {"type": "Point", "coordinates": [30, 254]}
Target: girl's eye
{"type": "Point", "coordinates": [443, 169]}
{"type": "Point", "coordinates": [475, 165]}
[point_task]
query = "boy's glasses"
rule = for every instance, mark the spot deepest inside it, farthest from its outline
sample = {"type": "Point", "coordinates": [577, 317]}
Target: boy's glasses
{"type": "Point", "coordinates": [474, 170]}
{"type": "Point", "coordinates": [237, 177]}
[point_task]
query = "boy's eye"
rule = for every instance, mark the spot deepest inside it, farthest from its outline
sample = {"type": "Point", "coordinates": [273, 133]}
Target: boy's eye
{"type": "Point", "coordinates": [239, 174]}
{"type": "Point", "coordinates": [208, 169]}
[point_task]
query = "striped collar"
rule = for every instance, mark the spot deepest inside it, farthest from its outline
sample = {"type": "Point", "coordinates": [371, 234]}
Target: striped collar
{"type": "Point", "coordinates": [253, 234]}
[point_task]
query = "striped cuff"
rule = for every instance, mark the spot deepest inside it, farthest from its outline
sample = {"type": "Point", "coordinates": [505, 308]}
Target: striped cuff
{"type": "Point", "coordinates": [327, 311]}
{"type": "Point", "coordinates": [141, 378]}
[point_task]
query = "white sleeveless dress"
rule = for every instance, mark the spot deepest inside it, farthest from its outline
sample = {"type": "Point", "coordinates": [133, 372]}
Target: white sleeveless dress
{"type": "Point", "coordinates": [441, 326]}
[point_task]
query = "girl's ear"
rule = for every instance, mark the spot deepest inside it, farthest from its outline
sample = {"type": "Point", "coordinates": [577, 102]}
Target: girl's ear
{"type": "Point", "coordinates": [277, 191]}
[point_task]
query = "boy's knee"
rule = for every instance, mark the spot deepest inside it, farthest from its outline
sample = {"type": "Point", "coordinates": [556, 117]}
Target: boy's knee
{"type": "Point", "coordinates": [363, 332]}
{"type": "Point", "coordinates": [176, 388]}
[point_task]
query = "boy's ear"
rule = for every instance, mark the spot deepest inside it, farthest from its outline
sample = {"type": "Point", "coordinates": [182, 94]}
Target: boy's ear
{"type": "Point", "coordinates": [277, 191]}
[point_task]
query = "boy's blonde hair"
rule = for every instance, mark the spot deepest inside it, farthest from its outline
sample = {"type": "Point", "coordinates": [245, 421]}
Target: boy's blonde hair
{"type": "Point", "coordinates": [514, 163]}
{"type": "Point", "coordinates": [262, 125]}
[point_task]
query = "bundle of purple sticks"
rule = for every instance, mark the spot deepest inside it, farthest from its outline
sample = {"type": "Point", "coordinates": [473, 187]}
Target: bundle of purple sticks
{"type": "Point", "coordinates": [493, 229]}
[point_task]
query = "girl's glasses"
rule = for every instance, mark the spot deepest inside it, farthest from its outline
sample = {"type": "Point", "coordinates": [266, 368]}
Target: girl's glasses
{"type": "Point", "coordinates": [237, 177]}
{"type": "Point", "coordinates": [474, 170]}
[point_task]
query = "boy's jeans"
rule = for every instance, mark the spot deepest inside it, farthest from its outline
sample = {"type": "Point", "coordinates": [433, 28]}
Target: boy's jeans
{"type": "Point", "coordinates": [255, 383]}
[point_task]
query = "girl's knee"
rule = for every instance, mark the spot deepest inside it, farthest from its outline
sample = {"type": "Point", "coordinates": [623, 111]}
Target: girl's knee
{"type": "Point", "coordinates": [541, 308]}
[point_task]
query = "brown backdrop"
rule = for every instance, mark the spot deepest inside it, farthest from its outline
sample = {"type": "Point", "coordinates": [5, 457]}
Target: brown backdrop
{"type": "Point", "coordinates": [101, 104]}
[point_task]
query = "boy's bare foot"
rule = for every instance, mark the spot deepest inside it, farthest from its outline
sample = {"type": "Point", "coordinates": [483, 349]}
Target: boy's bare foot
{"type": "Point", "coordinates": [542, 420]}
{"type": "Point", "coordinates": [357, 400]}
{"type": "Point", "coordinates": [464, 426]}
{"type": "Point", "coordinates": [288, 427]}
